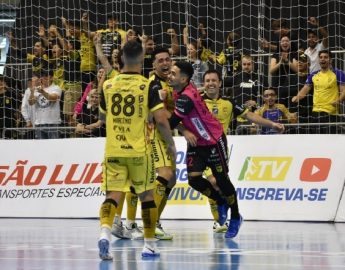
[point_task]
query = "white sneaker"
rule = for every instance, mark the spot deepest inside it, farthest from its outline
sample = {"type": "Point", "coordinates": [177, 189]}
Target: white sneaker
{"type": "Point", "coordinates": [161, 234]}
{"type": "Point", "coordinates": [135, 232]}
{"type": "Point", "coordinates": [119, 231]}
{"type": "Point", "coordinates": [217, 228]}
{"type": "Point", "coordinates": [150, 252]}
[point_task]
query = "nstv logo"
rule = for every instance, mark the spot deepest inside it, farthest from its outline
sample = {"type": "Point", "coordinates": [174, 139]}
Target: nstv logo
{"type": "Point", "coordinates": [265, 168]}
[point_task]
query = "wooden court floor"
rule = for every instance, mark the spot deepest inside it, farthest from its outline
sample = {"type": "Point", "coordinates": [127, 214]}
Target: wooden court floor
{"type": "Point", "coordinates": [72, 244]}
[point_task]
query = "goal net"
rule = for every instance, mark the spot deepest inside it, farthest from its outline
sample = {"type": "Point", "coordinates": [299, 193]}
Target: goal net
{"type": "Point", "coordinates": [227, 34]}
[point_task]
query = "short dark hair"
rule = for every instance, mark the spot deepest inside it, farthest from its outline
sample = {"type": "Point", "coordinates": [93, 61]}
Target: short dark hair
{"type": "Point", "coordinates": [212, 71]}
{"type": "Point", "coordinates": [160, 50]}
{"type": "Point", "coordinates": [311, 31]}
{"type": "Point", "coordinates": [131, 51]}
{"type": "Point", "coordinates": [327, 52]}
{"type": "Point", "coordinates": [186, 68]}
{"type": "Point", "coordinates": [112, 17]}
{"type": "Point", "coordinates": [75, 23]}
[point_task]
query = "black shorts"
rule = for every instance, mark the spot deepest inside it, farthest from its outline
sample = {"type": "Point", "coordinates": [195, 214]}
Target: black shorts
{"type": "Point", "coordinates": [213, 156]}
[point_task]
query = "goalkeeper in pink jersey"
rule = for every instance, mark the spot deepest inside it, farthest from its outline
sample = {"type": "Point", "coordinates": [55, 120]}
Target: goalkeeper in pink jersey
{"type": "Point", "coordinates": [207, 145]}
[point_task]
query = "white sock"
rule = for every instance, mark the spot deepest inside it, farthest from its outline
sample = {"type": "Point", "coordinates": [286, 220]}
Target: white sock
{"type": "Point", "coordinates": [105, 233]}
{"type": "Point", "coordinates": [117, 220]}
{"type": "Point", "coordinates": [151, 243]}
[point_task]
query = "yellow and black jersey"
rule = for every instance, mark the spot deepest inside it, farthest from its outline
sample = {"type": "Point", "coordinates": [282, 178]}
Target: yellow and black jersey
{"type": "Point", "coordinates": [223, 109]}
{"type": "Point", "coordinates": [57, 65]}
{"type": "Point", "coordinates": [127, 101]}
{"type": "Point", "coordinates": [111, 39]}
{"type": "Point", "coordinates": [38, 63]}
{"type": "Point", "coordinates": [156, 84]}
{"type": "Point", "coordinates": [111, 74]}
{"type": "Point", "coordinates": [87, 54]}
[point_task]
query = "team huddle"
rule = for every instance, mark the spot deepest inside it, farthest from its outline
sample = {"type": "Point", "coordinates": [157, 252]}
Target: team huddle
{"type": "Point", "coordinates": [140, 152]}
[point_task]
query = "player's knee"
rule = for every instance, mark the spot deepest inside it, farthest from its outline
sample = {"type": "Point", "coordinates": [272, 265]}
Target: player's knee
{"type": "Point", "coordinates": [146, 196]}
{"type": "Point", "coordinates": [195, 181]}
{"type": "Point", "coordinates": [167, 173]}
{"type": "Point", "coordinates": [110, 201]}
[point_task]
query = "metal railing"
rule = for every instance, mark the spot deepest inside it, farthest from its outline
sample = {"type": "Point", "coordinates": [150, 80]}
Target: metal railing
{"type": "Point", "coordinates": [29, 133]}
{"type": "Point", "coordinates": [298, 128]}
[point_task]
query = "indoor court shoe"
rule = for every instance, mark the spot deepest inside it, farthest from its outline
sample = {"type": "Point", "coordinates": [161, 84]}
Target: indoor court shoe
{"type": "Point", "coordinates": [234, 227]}
{"type": "Point", "coordinates": [135, 232]}
{"type": "Point", "coordinates": [161, 234]}
{"type": "Point", "coordinates": [103, 246]}
{"type": "Point", "coordinates": [223, 213]}
{"type": "Point", "coordinates": [119, 231]}
{"type": "Point", "coordinates": [217, 228]}
{"type": "Point", "coordinates": [149, 252]}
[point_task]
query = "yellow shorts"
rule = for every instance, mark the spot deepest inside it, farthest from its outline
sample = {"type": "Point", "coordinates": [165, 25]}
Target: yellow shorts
{"type": "Point", "coordinates": [117, 171]}
{"type": "Point", "coordinates": [160, 156]}
{"type": "Point", "coordinates": [72, 95]}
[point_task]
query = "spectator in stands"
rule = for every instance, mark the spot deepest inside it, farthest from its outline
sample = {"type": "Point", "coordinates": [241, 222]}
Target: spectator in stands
{"type": "Point", "coordinates": [246, 88]}
{"type": "Point", "coordinates": [38, 57]}
{"type": "Point", "coordinates": [314, 45]}
{"type": "Point", "coordinates": [28, 111]}
{"type": "Point", "coordinates": [96, 84]}
{"type": "Point", "coordinates": [230, 58]}
{"type": "Point", "coordinates": [48, 40]}
{"type": "Point", "coordinates": [329, 92]}
{"type": "Point", "coordinates": [89, 115]}
{"type": "Point", "coordinates": [280, 28]}
{"type": "Point", "coordinates": [274, 111]}
{"type": "Point", "coordinates": [56, 63]}
{"type": "Point", "coordinates": [304, 107]}
{"type": "Point", "coordinates": [111, 37]}
{"type": "Point", "coordinates": [9, 104]}
{"type": "Point", "coordinates": [283, 66]}
{"type": "Point", "coordinates": [193, 55]}
{"type": "Point", "coordinates": [45, 98]}
{"type": "Point", "coordinates": [148, 57]}
{"type": "Point", "coordinates": [87, 50]}
{"type": "Point", "coordinates": [204, 53]}
{"type": "Point", "coordinates": [72, 74]}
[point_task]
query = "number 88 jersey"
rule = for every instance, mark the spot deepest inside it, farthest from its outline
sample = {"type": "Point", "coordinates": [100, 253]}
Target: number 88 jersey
{"type": "Point", "coordinates": [126, 101]}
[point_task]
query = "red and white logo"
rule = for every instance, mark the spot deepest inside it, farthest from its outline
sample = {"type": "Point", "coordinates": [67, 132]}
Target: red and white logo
{"type": "Point", "coordinates": [315, 169]}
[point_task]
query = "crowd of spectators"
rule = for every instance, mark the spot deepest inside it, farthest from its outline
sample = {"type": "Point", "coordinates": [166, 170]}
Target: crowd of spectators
{"type": "Point", "coordinates": [69, 67]}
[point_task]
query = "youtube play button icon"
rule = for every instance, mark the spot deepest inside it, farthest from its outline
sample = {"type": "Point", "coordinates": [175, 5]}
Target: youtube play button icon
{"type": "Point", "coordinates": [315, 169]}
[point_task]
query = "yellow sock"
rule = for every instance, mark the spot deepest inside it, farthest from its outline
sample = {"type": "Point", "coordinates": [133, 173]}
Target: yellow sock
{"type": "Point", "coordinates": [120, 205]}
{"type": "Point", "coordinates": [162, 206]}
{"type": "Point", "coordinates": [107, 213]}
{"type": "Point", "coordinates": [160, 197]}
{"type": "Point", "coordinates": [132, 202]}
{"type": "Point", "coordinates": [149, 216]}
{"type": "Point", "coordinates": [214, 209]}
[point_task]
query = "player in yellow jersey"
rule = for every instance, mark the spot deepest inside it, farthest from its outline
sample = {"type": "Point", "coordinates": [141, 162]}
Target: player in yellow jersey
{"type": "Point", "coordinates": [329, 91]}
{"type": "Point", "coordinates": [224, 109]}
{"type": "Point", "coordinates": [164, 164]}
{"type": "Point", "coordinates": [127, 102]}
